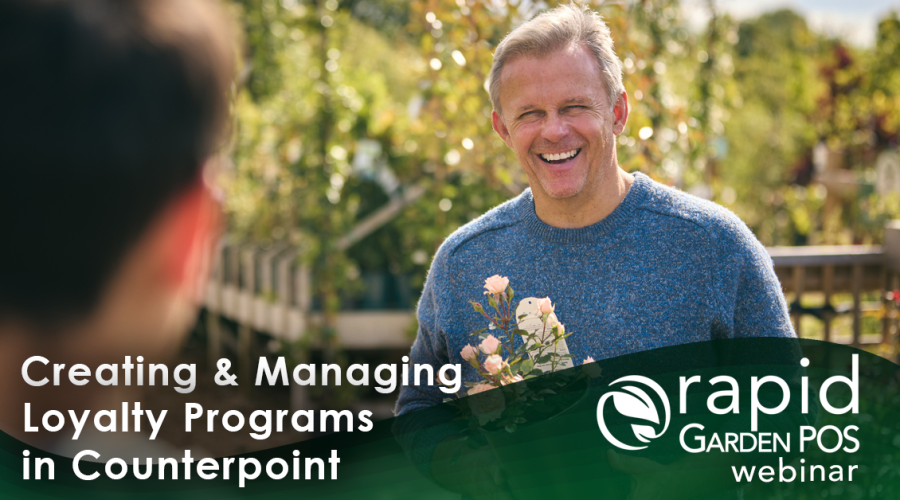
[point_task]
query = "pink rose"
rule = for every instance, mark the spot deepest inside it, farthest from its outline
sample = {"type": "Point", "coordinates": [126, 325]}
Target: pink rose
{"type": "Point", "coordinates": [479, 388]}
{"type": "Point", "coordinates": [493, 364]}
{"type": "Point", "coordinates": [495, 285]}
{"type": "Point", "coordinates": [590, 368]}
{"type": "Point", "coordinates": [469, 353]}
{"type": "Point", "coordinates": [490, 345]}
{"type": "Point", "coordinates": [545, 306]}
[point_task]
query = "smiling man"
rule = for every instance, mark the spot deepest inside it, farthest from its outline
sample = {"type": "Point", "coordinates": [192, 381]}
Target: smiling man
{"type": "Point", "coordinates": [561, 121]}
{"type": "Point", "coordinates": [631, 264]}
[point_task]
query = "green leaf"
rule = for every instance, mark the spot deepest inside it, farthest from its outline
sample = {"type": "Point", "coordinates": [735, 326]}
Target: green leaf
{"type": "Point", "coordinates": [510, 293]}
{"type": "Point", "coordinates": [479, 331]}
{"type": "Point", "coordinates": [492, 301]}
{"type": "Point", "coordinates": [526, 366]}
{"type": "Point", "coordinates": [548, 391]}
{"type": "Point", "coordinates": [510, 428]}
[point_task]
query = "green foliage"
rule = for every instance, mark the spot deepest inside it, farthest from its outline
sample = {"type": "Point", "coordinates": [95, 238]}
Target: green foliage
{"type": "Point", "coordinates": [344, 105]}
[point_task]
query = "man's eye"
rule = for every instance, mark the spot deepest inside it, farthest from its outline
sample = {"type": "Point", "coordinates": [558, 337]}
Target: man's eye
{"type": "Point", "coordinates": [527, 114]}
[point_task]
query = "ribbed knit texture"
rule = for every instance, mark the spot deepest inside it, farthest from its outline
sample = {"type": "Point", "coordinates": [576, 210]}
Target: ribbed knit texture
{"type": "Point", "coordinates": [663, 268]}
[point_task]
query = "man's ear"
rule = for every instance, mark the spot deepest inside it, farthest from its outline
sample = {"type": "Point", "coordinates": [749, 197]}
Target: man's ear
{"type": "Point", "coordinates": [500, 127]}
{"type": "Point", "coordinates": [189, 229]}
{"type": "Point", "coordinates": [620, 110]}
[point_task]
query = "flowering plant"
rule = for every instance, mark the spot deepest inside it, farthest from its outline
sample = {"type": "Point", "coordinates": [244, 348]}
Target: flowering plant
{"type": "Point", "coordinates": [501, 361]}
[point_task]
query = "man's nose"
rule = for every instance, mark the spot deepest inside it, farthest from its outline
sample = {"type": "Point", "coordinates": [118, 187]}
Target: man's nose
{"type": "Point", "coordinates": [555, 127]}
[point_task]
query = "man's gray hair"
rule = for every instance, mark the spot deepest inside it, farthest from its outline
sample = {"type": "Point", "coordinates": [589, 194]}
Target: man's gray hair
{"type": "Point", "coordinates": [555, 30]}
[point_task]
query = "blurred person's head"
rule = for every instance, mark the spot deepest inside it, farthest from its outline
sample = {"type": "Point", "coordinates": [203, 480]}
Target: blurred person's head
{"type": "Point", "coordinates": [556, 88]}
{"type": "Point", "coordinates": [112, 112]}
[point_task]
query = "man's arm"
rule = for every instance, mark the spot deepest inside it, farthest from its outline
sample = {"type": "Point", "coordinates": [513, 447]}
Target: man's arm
{"type": "Point", "coordinates": [750, 303]}
{"type": "Point", "coordinates": [749, 295]}
{"type": "Point", "coordinates": [758, 309]}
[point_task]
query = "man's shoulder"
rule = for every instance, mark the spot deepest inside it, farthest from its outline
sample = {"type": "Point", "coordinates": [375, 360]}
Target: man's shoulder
{"type": "Point", "coordinates": [720, 224]}
{"type": "Point", "coordinates": [499, 218]}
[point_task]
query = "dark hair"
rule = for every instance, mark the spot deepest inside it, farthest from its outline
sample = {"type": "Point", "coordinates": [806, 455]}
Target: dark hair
{"type": "Point", "coordinates": [108, 109]}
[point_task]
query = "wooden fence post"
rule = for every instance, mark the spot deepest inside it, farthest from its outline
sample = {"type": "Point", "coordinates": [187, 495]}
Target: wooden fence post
{"type": "Point", "coordinates": [245, 330]}
{"type": "Point", "coordinates": [213, 325]}
{"type": "Point", "coordinates": [892, 267]}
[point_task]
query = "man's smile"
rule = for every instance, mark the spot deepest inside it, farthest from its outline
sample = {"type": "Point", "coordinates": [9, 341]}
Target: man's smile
{"type": "Point", "coordinates": [557, 158]}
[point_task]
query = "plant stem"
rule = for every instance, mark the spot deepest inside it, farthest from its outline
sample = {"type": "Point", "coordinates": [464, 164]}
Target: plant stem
{"type": "Point", "coordinates": [491, 319]}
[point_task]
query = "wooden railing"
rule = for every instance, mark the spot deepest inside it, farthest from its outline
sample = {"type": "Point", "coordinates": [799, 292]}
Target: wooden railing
{"type": "Point", "coordinates": [269, 291]}
{"type": "Point", "coordinates": [829, 271]}
{"type": "Point", "coordinates": [842, 277]}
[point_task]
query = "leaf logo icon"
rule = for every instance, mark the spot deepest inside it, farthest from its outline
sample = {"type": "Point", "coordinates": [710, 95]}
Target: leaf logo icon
{"type": "Point", "coordinates": [634, 402]}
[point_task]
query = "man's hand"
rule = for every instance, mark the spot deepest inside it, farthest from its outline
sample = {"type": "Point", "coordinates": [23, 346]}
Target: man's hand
{"type": "Point", "coordinates": [471, 471]}
{"type": "Point", "coordinates": [690, 477]}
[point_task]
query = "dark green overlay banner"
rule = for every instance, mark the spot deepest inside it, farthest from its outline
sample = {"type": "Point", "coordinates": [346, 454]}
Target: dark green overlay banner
{"type": "Point", "coordinates": [746, 418]}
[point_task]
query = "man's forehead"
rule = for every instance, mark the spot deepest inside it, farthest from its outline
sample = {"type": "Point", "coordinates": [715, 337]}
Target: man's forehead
{"type": "Point", "coordinates": [573, 52]}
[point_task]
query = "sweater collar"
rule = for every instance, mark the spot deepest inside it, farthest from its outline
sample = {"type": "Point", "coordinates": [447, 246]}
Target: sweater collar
{"type": "Point", "coordinates": [617, 220]}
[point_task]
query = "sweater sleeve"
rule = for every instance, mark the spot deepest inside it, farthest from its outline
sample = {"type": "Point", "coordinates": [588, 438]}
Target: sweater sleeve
{"type": "Point", "coordinates": [749, 293]}
{"type": "Point", "coordinates": [753, 305]}
{"type": "Point", "coordinates": [423, 421]}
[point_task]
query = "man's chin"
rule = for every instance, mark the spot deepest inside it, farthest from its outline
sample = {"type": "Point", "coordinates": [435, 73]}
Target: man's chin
{"type": "Point", "coordinates": [562, 191]}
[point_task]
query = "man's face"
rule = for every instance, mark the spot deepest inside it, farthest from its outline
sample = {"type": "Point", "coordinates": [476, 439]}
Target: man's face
{"type": "Point", "coordinates": [558, 119]}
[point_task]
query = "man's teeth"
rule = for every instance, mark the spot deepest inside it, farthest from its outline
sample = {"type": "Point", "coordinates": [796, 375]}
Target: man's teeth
{"type": "Point", "coordinates": [560, 156]}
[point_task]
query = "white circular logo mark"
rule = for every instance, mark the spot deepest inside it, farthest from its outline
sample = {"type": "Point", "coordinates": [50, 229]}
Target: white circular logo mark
{"type": "Point", "coordinates": [635, 403]}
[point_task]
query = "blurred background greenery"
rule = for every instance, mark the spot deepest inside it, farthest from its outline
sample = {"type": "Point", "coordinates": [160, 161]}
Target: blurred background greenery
{"type": "Point", "coordinates": [344, 106]}
{"type": "Point", "coordinates": [362, 138]}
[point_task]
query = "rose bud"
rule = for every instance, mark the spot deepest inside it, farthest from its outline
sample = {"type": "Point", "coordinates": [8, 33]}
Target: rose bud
{"type": "Point", "coordinates": [545, 306]}
{"type": "Point", "coordinates": [490, 345]}
{"type": "Point", "coordinates": [469, 353]}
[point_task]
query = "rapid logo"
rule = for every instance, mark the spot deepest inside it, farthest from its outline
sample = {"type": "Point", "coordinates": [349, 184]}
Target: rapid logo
{"type": "Point", "coordinates": [634, 402]}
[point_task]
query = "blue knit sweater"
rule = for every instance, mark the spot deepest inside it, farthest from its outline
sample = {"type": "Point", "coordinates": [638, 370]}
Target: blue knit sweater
{"type": "Point", "coordinates": [663, 268]}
